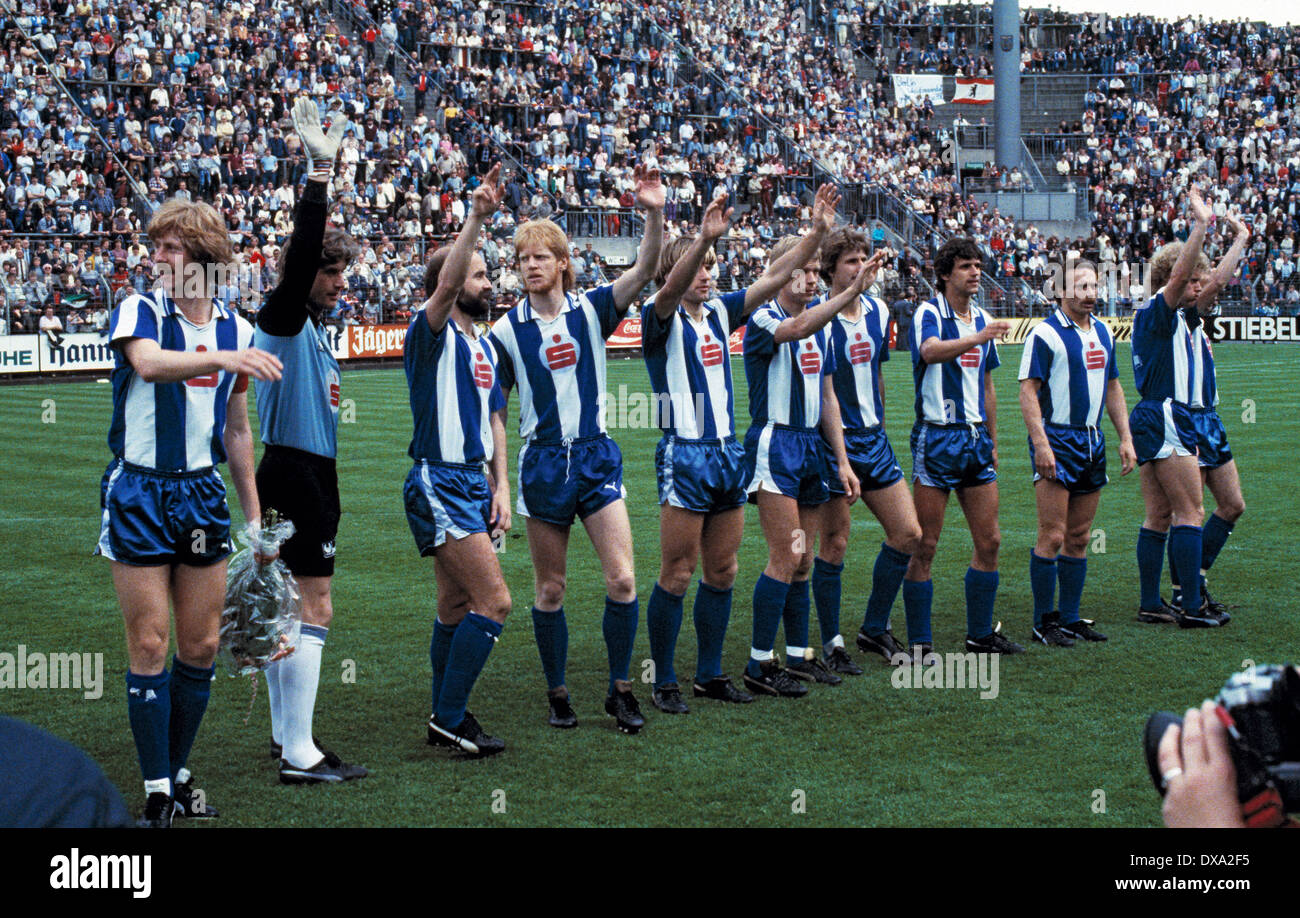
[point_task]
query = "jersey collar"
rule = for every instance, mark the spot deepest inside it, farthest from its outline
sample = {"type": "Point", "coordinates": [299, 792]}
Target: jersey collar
{"type": "Point", "coordinates": [169, 307]}
{"type": "Point", "coordinates": [528, 314]}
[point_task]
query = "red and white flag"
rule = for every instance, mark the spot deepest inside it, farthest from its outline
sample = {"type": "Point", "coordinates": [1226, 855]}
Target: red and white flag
{"type": "Point", "coordinates": [974, 90]}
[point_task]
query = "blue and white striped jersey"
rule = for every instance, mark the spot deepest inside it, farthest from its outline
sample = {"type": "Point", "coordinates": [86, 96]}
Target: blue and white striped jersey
{"type": "Point", "coordinates": [300, 409]}
{"type": "Point", "coordinates": [558, 365]}
{"type": "Point", "coordinates": [454, 389]}
{"type": "Point", "coordinates": [1208, 394]}
{"type": "Point", "coordinates": [951, 392]}
{"type": "Point", "coordinates": [690, 367]}
{"type": "Point", "coordinates": [1167, 361]}
{"type": "Point", "coordinates": [860, 347]}
{"type": "Point", "coordinates": [177, 426]}
{"type": "Point", "coordinates": [785, 380]}
{"type": "Point", "coordinates": [1075, 366]}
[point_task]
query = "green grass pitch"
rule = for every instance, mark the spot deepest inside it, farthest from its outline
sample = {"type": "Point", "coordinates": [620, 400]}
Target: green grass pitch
{"type": "Point", "coordinates": [1060, 745]}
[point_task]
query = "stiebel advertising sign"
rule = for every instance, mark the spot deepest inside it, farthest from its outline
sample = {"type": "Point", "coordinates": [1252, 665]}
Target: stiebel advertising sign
{"type": "Point", "coordinates": [1253, 328]}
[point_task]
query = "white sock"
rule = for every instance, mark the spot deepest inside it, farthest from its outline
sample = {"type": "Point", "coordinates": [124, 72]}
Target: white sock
{"type": "Point", "coordinates": [159, 786]}
{"type": "Point", "coordinates": [837, 641]}
{"type": "Point", "coordinates": [274, 695]}
{"type": "Point", "coordinates": [299, 676]}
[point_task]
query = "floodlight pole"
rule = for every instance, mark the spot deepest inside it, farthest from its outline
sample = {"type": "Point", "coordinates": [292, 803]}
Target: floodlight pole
{"type": "Point", "coordinates": [1006, 82]}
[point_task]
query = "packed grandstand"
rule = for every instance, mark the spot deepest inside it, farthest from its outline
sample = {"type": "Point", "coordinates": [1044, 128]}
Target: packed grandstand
{"type": "Point", "coordinates": [111, 107]}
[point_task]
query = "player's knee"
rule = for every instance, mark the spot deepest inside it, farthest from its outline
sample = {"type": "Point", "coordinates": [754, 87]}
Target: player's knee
{"type": "Point", "coordinates": [497, 605]}
{"type": "Point", "coordinates": [198, 651]}
{"type": "Point", "coordinates": [721, 575]}
{"type": "Point", "coordinates": [803, 567]}
{"type": "Point", "coordinates": [835, 545]}
{"type": "Point", "coordinates": [676, 579]}
{"type": "Point", "coordinates": [925, 549]}
{"type": "Point", "coordinates": [1232, 510]}
{"type": "Point", "coordinates": [987, 547]}
{"type": "Point", "coordinates": [550, 592]}
{"type": "Point", "coordinates": [149, 652]}
{"type": "Point", "coordinates": [908, 541]}
{"type": "Point", "coordinates": [1051, 539]}
{"type": "Point", "coordinates": [620, 585]}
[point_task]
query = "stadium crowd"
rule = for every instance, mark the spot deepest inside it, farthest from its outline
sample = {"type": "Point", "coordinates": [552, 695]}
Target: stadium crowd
{"type": "Point", "coordinates": [176, 100]}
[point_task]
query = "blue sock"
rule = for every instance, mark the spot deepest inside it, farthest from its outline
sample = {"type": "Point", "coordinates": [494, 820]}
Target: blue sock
{"type": "Point", "coordinates": [439, 647]}
{"type": "Point", "coordinates": [1213, 536]}
{"type": "Point", "coordinates": [149, 708]}
{"type": "Point", "coordinates": [619, 626]}
{"type": "Point", "coordinates": [190, 687]}
{"type": "Point", "coordinates": [712, 612]}
{"type": "Point", "coordinates": [769, 605]}
{"type": "Point", "coordinates": [1185, 557]}
{"type": "Point", "coordinates": [1176, 594]}
{"type": "Point", "coordinates": [1150, 558]}
{"type": "Point", "coordinates": [469, 650]}
{"type": "Point", "coordinates": [981, 591]}
{"type": "Point", "coordinates": [1072, 572]}
{"type": "Point", "coordinates": [663, 619]}
{"type": "Point", "coordinates": [552, 633]}
{"type": "Point", "coordinates": [886, 578]}
{"type": "Point", "coordinates": [826, 593]}
{"type": "Point", "coordinates": [1042, 581]}
{"type": "Point", "coordinates": [918, 595]}
{"type": "Point", "coordinates": [795, 616]}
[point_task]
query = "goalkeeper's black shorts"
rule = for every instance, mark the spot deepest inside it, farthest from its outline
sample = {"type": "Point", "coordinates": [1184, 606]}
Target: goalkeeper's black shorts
{"type": "Point", "coordinates": [304, 488]}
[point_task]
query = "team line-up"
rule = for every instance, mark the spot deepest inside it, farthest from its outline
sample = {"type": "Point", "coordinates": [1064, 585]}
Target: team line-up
{"type": "Point", "coordinates": [814, 445]}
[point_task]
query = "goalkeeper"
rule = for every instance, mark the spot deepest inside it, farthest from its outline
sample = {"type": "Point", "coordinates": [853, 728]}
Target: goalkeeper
{"type": "Point", "coordinates": [299, 415]}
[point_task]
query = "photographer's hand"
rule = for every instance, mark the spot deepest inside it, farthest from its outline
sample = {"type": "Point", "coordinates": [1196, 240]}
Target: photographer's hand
{"type": "Point", "coordinates": [1197, 765]}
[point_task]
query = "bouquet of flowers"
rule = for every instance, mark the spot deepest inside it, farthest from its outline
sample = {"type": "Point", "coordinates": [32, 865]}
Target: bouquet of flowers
{"type": "Point", "coordinates": [261, 620]}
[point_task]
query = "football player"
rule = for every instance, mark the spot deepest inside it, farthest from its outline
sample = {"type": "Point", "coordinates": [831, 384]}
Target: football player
{"type": "Point", "coordinates": [299, 417]}
{"type": "Point", "coordinates": [180, 408]}
{"type": "Point", "coordinates": [1068, 374]}
{"type": "Point", "coordinates": [452, 506]}
{"type": "Point", "coordinates": [792, 408]}
{"type": "Point", "coordinates": [1213, 454]}
{"type": "Point", "coordinates": [699, 464]}
{"type": "Point", "coordinates": [955, 445]}
{"type": "Point", "coordinates": [859, 336]}
{"type": "Point", "coordinates": [1168, 376]}
{"type": "Point", "coordinates": [552, 348]}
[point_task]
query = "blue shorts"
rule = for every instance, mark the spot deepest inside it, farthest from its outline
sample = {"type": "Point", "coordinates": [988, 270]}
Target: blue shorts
{"type": "Point", "coordinates": [1080, 457]}
{"type": "Point", "coordinates": [559, 482]}
{"type": "Point", "coordinates": [948, 457]}
{"type": "Point", "coordinates": [786, 460]}
{"type": "Point", "coordinates": [153, 518]}
{"type": "Point", "coordinates": [707, 476]}
{"type": "Point", "coordinates": [1162, 429]}
{"type": "Point", "coordinates": [445, 500]}
{"type": "Point", "coordinates": [870, 456]}
{"type": "Point", "coordinates": [1211, 439]}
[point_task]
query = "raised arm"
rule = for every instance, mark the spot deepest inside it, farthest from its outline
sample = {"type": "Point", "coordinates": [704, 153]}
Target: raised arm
{"type": "Point", "coordinates": [650, 198]}
{"type": "Point", "coordinates": [1226, 267]}
{"type": "Point", "coordinates": [778, 272]}
{"type": "Point", "coordinates": [810, 320]}
{"type": "Point", "coordinates": [1187, 258]}
{"type": "Point", "coordinates": [285, 309]}
{"type": "Point", "coordinates": [487, 197]}
{"type": "Point", "coordinates": [713, 227]}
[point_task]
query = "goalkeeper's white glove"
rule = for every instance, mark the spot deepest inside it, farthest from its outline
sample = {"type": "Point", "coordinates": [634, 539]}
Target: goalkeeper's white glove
{"type": "Point", "coordinates": [321, 148]}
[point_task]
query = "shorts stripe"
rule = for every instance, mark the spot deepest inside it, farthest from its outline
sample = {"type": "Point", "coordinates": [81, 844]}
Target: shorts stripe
{"type": "Point", "coordinates": [104, 546]}
{"type": "Point", "coordinates": [440, 515]}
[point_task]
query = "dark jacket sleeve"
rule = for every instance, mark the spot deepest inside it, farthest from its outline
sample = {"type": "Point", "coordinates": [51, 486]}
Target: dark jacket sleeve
{"type": "Point", "coordinates": [285, 310]}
